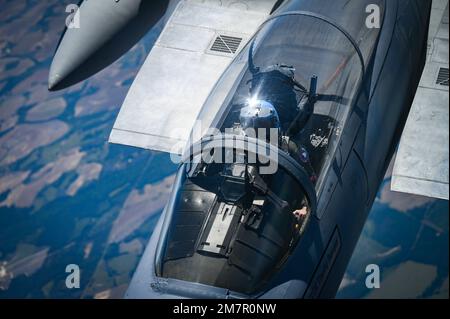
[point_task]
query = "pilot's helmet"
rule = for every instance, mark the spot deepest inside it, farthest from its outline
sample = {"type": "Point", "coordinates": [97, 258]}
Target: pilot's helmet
{"type": "Point", "coordinates": [259, 114]}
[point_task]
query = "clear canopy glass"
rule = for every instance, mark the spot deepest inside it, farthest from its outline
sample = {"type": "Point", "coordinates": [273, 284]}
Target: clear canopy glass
{"type": "Point", "coordinates": [277, 68]}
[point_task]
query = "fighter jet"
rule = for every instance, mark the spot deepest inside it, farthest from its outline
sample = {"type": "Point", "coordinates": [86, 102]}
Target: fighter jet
{"type": "Point", "coordinates": [284, 116]}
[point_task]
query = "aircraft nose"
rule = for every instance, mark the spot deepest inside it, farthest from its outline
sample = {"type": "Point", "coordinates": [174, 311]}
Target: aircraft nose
{"type": "Point", "coordinates": [78, 44]}
{"type": "Point", "coordinates": [107, 30]}
{"type": "Point", "coordinates": [52, 81]}
{"type": "Point", "coordinates": [68, 62]}
{"type": "Point", "coordinates": [55, 77]}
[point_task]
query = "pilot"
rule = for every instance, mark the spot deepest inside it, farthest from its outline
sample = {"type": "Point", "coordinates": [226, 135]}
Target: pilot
{"type": "Point", "coordinates": [258, 117]}
{"type": "Point", "coordinates": [300, 214]}
{"type": "Point", "coordinates": [301, 218]}
{"type": "Point", "coordinates": [277, 85]}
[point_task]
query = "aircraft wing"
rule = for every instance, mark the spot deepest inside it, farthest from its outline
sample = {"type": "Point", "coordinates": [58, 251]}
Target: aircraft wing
{"type": "Point", "coordinates": [198, 42]}
{"type": "Point", "coordinates": [422, 162]}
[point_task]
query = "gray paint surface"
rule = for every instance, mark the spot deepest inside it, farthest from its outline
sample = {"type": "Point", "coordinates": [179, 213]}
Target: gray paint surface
{"type": "Point", "coordinates": [422, 161]}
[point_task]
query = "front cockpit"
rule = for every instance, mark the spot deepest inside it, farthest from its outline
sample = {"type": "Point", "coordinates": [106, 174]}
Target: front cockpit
{"type": "Point", "coordinates": [248, 185]}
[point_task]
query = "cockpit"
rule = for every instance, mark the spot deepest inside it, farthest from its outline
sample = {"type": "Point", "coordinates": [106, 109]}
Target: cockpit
{"type": "Point", "coordinates": [284, 102]}
{"type": "Point", "coordinates": [231, 225]}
